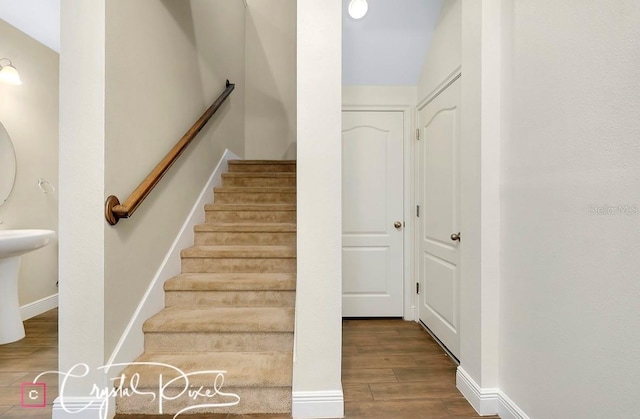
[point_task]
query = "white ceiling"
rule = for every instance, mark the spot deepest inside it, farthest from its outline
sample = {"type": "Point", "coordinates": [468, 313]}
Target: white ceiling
{"type": "Point", "coordinates": [386, 47]}
{"type": "Point", "coordinates": [389, 44]}
{"type": "Point", "coordinates": [40, 19]}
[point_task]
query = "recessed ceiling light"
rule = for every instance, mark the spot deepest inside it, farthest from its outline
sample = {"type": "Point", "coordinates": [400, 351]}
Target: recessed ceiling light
{"type": "Point", "coordinates": [358, 8]}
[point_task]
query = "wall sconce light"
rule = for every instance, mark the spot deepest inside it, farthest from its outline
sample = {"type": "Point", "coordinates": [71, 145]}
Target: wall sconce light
{"type": "Point", "coordinates": [358, 8]}
{"type": "Point", "coordinates": [8, 73]}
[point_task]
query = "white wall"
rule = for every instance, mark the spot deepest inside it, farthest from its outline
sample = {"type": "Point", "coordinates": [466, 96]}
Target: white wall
{"type": "Point", "coordinates": [166, 63]}
{"type": "Point", "coordinates": [466, 41]}
{"type": "Point", "coordinates": [30, 114]}
{"type": "Point", "coordinates": [379, 96]}
{"type": "Point", "coordinates": [270, 126]}
{"type": "Point", "coordinates": [445, 51]}
{"type": "Point", "coordinates": [134, 77]}
{"type": "Point", "coordinates": [82, 84]}
{"type": "Point", "coordinates": [569, 293]}
{"type": "Point", "coordinates": [317, 390]}
{"type": "Point", "coordinates": [480, 201]}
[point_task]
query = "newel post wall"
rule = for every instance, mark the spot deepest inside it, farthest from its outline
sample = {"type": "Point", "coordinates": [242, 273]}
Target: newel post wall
{"type": "Point", "coordinates": [317, 390]}
{"type": "Point", "coordinates": [81, 177]}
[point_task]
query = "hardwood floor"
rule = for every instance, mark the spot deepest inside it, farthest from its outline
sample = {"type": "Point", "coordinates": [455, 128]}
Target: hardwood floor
{"type": "Point", "coordinates": [390, 369]}
{"type": "Point", "coordinates": [21, 361]}
{"type": "Point", "coordinates": [394, 369]}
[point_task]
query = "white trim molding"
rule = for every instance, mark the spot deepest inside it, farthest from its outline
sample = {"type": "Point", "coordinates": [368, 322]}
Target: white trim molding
{"type": "Point", "coordinates": [487, 401]}
{"type": "Point", "coordinates": [448, 81]}
{"type": "Point", "coordinates": [40, 306]}
{"type": "Point", "coordinates": [131, 343]}
{"type": "Point", "coordinates": [80, 408]}
{"type": "Point", "coordinates": [317, 404]}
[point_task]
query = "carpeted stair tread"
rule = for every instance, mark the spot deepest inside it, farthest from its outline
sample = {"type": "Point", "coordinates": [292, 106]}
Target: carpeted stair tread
{"type": "Point", "coordinates": [255, 401]}
{"type": "Point", "coordinates": [262, 162]}
{"type": "Point", "coordinates": [259, 179]}
{"type": "Point", "coordinates": [256, 190]}
{"type": "Point", "coordinates": [250, 207]}
{"type": "Point", "coordinates": [236, 319]}
{"type": "Point", "coordinates": [219, 342]}
{"type": "Point", "coordinates": [262, 166]}
{"type": "Point", "coordinates": [241, 369]}
{"type": "Point", "coordinates": [239, 252]}
{"type": "Point", "coordinates": [232, 282]}
{"type": "Point", "coordinates": [259, 174]}
{"type": "Point", "coordinates": [246, 227]}
{"type": "Point", "coordinates": [245, 233]}
{"type": "Point", "coordinates": [250, 213]}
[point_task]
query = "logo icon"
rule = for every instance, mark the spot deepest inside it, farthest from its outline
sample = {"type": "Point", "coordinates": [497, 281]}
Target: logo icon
{"type": "Point", "coordinates": [33, 395]}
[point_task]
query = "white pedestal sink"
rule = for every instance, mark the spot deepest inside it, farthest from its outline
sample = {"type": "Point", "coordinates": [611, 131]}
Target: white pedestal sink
{"type": "Point", "coordinates": [13, 244]}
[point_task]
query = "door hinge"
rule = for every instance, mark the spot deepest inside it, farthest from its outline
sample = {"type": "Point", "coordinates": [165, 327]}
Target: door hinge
{"type": "Point", "coordinates": [418, 134]}
{"type": "Point", "coordinates": [417, 288]}
{"type": "Point", "coordinates": [417, 210]}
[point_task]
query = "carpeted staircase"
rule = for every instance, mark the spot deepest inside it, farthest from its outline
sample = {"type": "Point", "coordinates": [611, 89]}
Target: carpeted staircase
{"type": "Point", "coordinates": [232, 308]}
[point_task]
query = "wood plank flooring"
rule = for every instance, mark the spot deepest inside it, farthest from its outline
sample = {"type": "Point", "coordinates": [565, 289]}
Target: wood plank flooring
{"type": "Point", "coordinates": [390, 369]}
{"type": "Point", "coordinates": [394, 369]}
{"type": "Point", "coordinates": [21, 361]}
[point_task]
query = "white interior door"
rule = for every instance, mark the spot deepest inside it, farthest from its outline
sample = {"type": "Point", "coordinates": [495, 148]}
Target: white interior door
{"type": "Point", "coordinates": [439, 200]}
{"type": "Point", "coordinates": [372, 214]}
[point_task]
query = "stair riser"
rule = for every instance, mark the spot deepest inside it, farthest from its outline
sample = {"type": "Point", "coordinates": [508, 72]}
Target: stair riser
{"type": "Point", "coordinates": [230, 298]}
{"type": "Point", "coordinates": [219, 342]}
{"type": "Point", "coordinates": [235, 282]}
{"type": "Point", "coordinates": [228, 265]}
{"type": "Point", "coordinates": [260, 181]}
{"type": "Point", "coordinates": [250, 216]}
{"type": "Point", "coordinates": [222, 197]}
{"type": "Point", "coordinates": [252, 400]}
{"type": "Point", "coordinates": [244, 238]}
{"type": "Point", "coordinates": [254, 168]}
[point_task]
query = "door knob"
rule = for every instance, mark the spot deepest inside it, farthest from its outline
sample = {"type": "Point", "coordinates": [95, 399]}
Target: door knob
{"type": "Point", "coordinates": [455, 236]}
{"type": "Point", "coordinates": [397, 225]}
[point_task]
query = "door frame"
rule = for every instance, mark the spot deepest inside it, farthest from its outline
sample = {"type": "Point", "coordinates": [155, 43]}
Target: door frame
{"type": "Point", "coordinates": [395, 99]}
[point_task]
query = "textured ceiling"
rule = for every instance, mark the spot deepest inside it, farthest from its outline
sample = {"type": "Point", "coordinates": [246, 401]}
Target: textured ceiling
{"type": "Point", "coordinates": [388, 45]}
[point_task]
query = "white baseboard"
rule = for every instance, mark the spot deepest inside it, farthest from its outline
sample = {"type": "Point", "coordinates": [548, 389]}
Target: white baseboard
{"type": "Point", "coordinates": [507, 409]}
{"type": "Point", "coordinates": [317, 404]}
{"type": "Point", "coordinates": [35, 308]}
{"type": "Point", "coordinates": [80, 408]}
{"type": "Point", "coordinates": [131, 343]}
{"type": "Point", "coordinates": [487, 401]}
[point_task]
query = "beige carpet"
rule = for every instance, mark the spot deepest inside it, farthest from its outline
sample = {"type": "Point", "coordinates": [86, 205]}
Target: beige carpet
{"type": "Point", "coordinates": [228, 320]}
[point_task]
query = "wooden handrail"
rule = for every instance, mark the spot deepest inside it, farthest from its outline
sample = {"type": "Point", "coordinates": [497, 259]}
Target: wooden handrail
{"type": "Point", "coordinates": [114, 210]}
